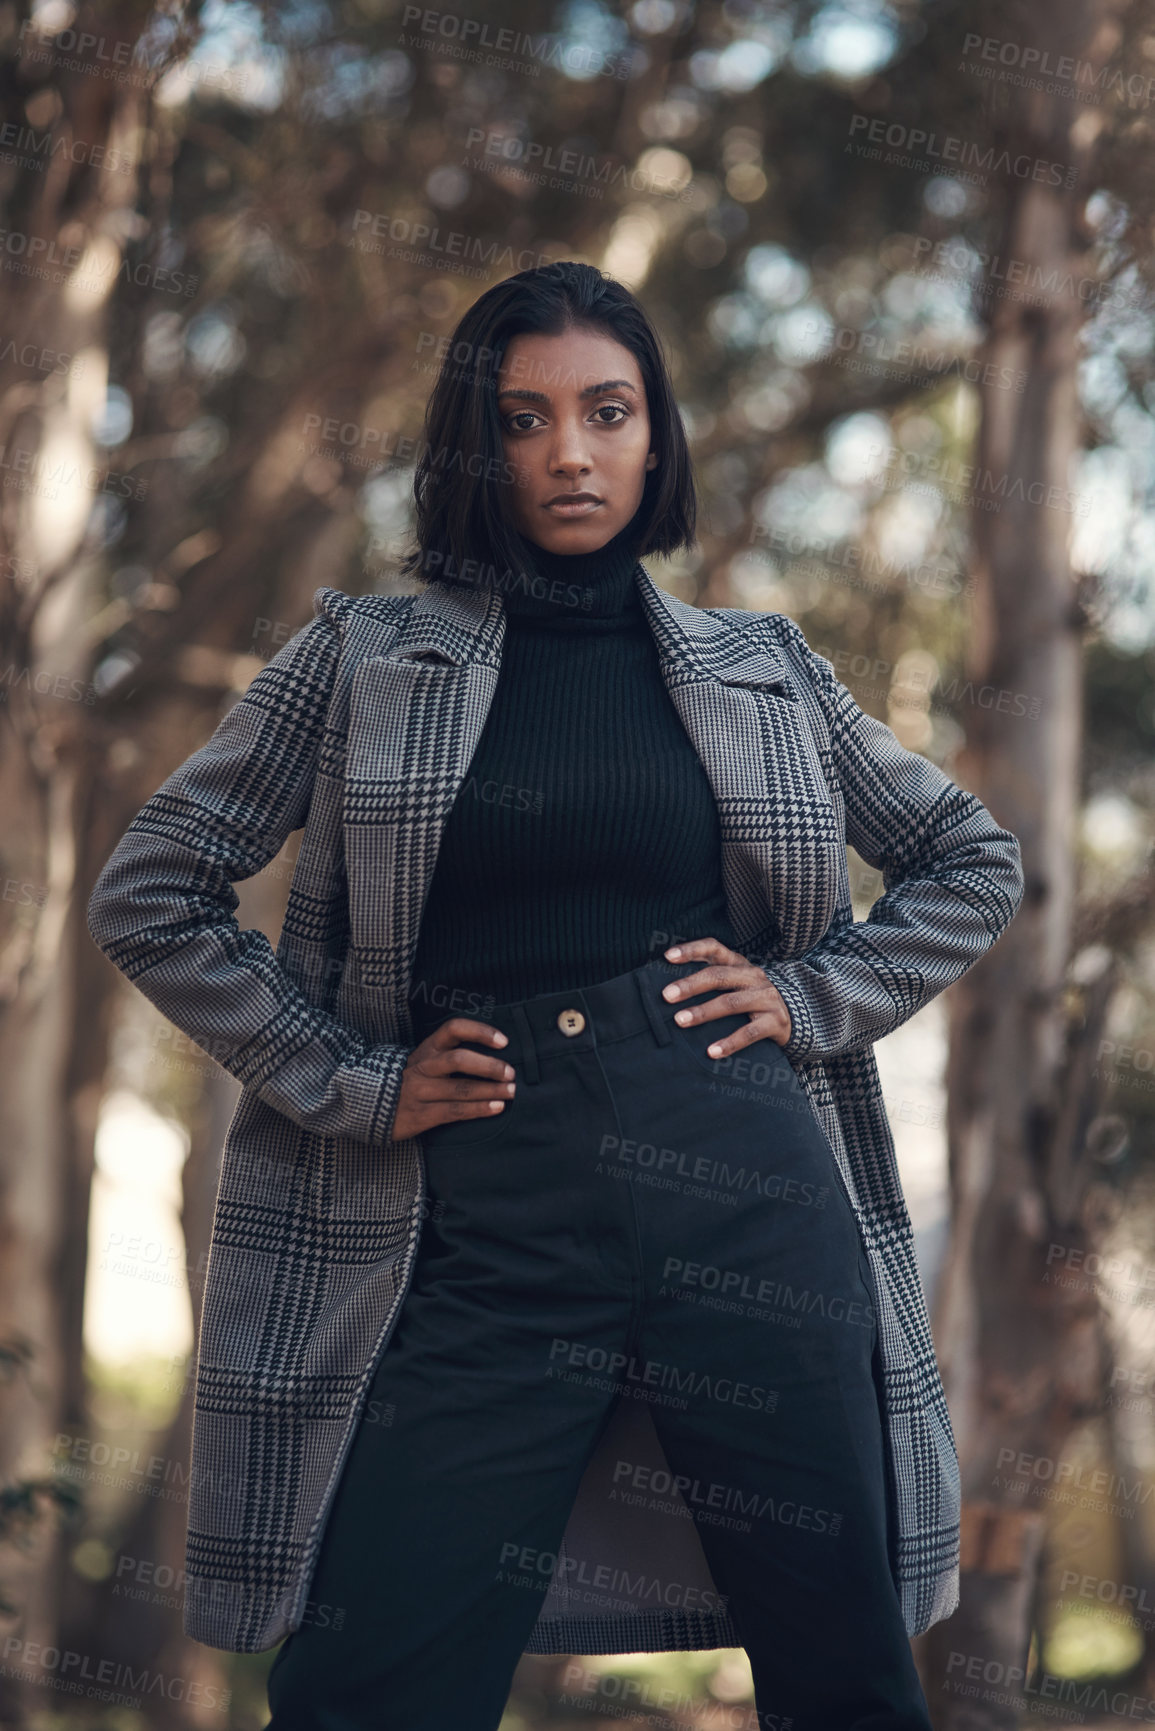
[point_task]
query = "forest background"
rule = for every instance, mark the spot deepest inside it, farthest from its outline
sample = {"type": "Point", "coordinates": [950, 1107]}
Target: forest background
{"type": "Point", "coordinates": [902, 257]}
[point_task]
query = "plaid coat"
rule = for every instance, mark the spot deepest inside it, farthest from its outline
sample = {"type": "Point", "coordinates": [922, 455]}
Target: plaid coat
{"type": "Point", "coordinates": [361, 729]}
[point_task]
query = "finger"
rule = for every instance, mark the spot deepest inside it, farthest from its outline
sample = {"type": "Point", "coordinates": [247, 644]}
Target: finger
{"type": "Point", "coordinates": [693, 1014]}
{"type": "Point", "coordinates": [445, 1090]}
{"type": "Point", "coordinates": [463, 1028]}
{"type": "Point", "coordinates": [759, 1028]}
{"type": "Point", "coordinates": [695, 947]}
{"type": "Point", "coordinates": [464, 1058]}
{"type": "Point", "coordinates": [749, 1000]}
{"type": "Point", "coordinates": [465, 1093]}
{"type": "Point", "coordinates": [722, 974]}
{"type": "Point", "coordinates": [460, 1109]}
{"type": "Point", "coordinates": [449, 1112]}
{"type": "Point", "coordinates": [442, 1053]}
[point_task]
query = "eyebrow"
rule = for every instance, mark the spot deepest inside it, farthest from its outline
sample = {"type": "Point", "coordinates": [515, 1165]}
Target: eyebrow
{"type": "Point", "coordinates": [590, 391]}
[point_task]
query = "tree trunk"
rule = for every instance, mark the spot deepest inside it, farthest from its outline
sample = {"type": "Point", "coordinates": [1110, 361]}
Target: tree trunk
{"type": "Point", "coordinates": [1021, 1355]}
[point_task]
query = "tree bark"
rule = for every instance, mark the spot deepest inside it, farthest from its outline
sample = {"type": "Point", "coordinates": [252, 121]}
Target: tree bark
{"type": "Point", "coordinates": [1022, 1356]}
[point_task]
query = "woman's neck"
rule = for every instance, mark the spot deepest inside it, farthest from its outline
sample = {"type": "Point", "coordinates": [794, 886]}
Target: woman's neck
{"type": "Point", "coordinates": [572, 586]}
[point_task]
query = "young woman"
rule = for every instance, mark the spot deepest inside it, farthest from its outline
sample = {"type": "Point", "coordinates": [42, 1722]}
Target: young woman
{"type": "Point", "coordinates": [570, 980]}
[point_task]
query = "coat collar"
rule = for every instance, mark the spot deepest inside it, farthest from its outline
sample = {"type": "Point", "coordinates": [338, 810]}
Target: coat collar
{"type": "Point", "coordinates": [464, 626]}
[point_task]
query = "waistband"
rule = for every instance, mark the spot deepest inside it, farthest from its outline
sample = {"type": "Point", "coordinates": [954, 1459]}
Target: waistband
{"type": "Point", "coordinates": [584, 1017]}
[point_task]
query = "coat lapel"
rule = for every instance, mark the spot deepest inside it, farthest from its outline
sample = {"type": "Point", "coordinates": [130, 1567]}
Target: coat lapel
{"type": "Point", "coordinates": [783, 842]}
{"type": "Point", "coordinates": [416, 715]}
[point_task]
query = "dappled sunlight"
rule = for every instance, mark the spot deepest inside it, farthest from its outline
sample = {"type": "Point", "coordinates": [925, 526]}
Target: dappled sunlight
{"type": "Point", "coordinates": [137, 1292]}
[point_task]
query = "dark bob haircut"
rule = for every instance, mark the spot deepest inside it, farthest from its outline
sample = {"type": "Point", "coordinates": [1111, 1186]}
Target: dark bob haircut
{"type": "Point", "coordinates": [462, 524]}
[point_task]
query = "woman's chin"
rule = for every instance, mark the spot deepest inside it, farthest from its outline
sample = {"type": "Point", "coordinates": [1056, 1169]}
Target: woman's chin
{"type": "Point", "coordinates": [583, 536]}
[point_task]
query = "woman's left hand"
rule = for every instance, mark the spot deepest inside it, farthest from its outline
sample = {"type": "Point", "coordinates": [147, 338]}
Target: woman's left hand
{"type": "Point", "coordinates": [746, 988]}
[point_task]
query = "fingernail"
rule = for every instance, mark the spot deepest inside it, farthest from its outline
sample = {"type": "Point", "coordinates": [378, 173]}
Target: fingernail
{"type": "Point", "coordinates": [671, 991]}
{"type": "Point", "coordinates": [501, 1039]}
{"type": "Point", "coordinates": [508, 1072]}
{"type": "Point", "coordinates": [683, 1016]}
{"type": "Point", "coordinates": [673, 954]}
{"type": "Point", "coordinates": [714, 1051]}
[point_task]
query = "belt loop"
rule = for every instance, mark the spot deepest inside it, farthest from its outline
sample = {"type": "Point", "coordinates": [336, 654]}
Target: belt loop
{"type": "Point", "coordinates": [662, 1033]}
{"type": "Point", "coordinates": [532, 1073]}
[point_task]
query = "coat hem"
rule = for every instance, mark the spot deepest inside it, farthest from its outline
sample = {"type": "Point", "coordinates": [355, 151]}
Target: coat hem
{"type": "Point", "coordinates": [637, 1632]}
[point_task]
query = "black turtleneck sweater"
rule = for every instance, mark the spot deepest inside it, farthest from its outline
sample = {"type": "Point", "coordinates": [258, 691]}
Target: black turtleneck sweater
{"type": "Point", "coordinates": [584, 839]}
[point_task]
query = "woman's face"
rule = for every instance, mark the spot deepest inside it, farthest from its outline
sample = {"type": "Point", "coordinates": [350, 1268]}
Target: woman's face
{"type": "Point", "coordinates": [576, 428]}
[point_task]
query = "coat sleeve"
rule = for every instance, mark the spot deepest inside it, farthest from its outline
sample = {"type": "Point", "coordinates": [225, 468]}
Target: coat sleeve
{"type": "Point", "coordinates": [952, 881]}
{"type": "Point", "coordinates": [162, 909]}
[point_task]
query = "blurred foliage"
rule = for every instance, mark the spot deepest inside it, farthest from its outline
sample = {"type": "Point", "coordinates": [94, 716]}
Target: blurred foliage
{"type": "Point", "coordinates": [323, 189]}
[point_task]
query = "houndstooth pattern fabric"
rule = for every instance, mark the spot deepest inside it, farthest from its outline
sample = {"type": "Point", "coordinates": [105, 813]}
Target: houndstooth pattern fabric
{"type": "Point", "coordinates": [361, 731]}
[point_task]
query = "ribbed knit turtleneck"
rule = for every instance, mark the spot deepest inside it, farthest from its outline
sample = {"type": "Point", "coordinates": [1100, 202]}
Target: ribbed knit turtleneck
{"type": "Point", "coordinates": [584, 838]}
{"type": "Point", "coordinates": [569, 591]}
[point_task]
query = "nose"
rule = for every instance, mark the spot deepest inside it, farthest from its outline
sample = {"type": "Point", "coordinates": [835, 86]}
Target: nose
{"type": "Point", "coordinates": [569, 452]}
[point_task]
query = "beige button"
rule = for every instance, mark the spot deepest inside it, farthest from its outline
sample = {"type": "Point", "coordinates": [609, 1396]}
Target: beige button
{"type": "Point", "coordinates": [571, 1021]}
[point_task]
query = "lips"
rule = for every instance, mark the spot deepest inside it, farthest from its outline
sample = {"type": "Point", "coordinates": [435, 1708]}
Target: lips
{"type": "Point", "coordinates": [573, 504]}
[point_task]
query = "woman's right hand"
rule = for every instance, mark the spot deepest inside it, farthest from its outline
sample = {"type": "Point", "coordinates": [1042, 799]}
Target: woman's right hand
{"type": "Point", "coordinates": [431, 1093]}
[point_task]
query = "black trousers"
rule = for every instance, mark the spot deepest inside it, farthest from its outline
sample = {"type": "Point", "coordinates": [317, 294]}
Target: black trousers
{"type": "Point", "coordinates": [643, 1221]}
